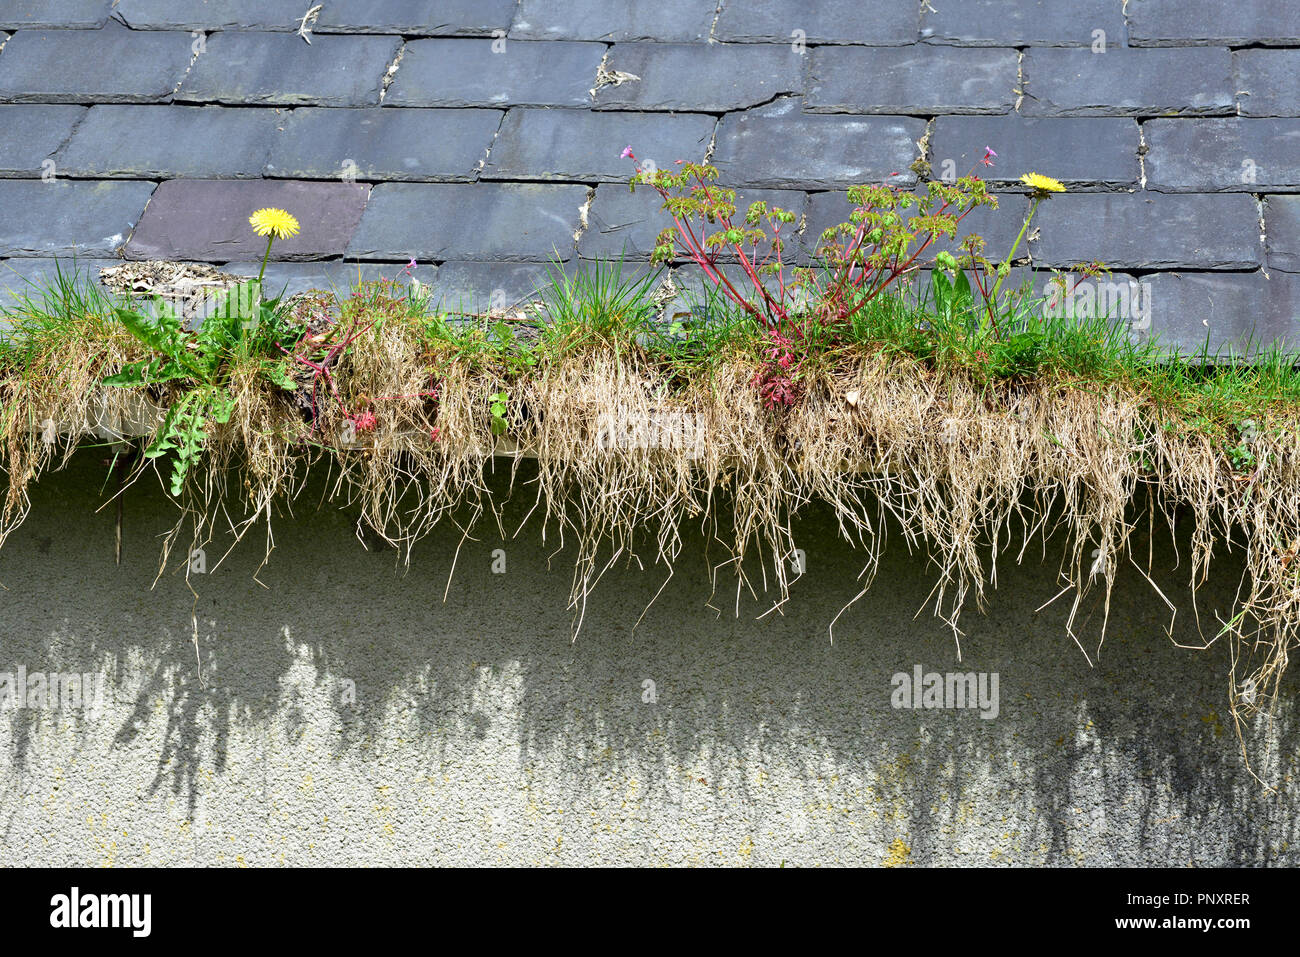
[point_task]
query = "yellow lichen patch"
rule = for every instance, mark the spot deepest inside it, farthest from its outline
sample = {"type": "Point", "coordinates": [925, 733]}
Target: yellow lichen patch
{"type": "Point", "coordinates": [900, 855]}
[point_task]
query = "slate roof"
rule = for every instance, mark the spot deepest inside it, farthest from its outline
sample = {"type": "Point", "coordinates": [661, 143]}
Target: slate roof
{"type": "Point", "coordinates": [482, 137]}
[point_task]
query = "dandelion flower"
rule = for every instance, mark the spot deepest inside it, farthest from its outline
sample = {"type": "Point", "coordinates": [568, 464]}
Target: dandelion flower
{"type": "Point", "coordinates": [1042, 185]}
{"type": "Point", "coordinates": [273, 222]}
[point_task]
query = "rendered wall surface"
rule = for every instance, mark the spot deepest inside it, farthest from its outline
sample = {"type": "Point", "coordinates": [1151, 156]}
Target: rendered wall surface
{"type": "Point", "coordinates": [481, 734]}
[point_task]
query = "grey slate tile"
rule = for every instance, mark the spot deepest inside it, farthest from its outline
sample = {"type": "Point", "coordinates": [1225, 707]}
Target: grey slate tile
{"type": "Point", "coordinates": [667, 20]}
{"type": "Point", "coordinates": [208, 220]}
{"type": "Point", "coordinates": [335, 277]}
{"type": "Point", "coordinates": [1282, 232]}
{"type": "Point", "coordinates": [489, 287]}
{"type": "Point", "coordinates": [1225, 310]}
{"type": "Point", "coordinates": [471, 72]}
{"type": "Point", "coordinates": [1076, 150]}
{"type": "Point", "coordinates": [866, 22]}
{"type": "Point", "coordinates": [624, 224]}
{"type": "Point", "coordinates": [1039, 23]}
{"type": "Point", "coordinates": [1127, 82]}
{"type": "Point", "coordinates": [711, 77]}
{"type": "Point", "coordinates": [777, 146]}
{"type": "Point", "coordinates": [161, 142]}
{"type": "Point", "coordinates": [281, 69]}
{"type": "Point", "coordinates": [60, 14]}
{"type": "Point", "coordinates": [261, 15]}
{"type": "Point", "coordinates": [915, 79]}
{"type": "Point", "coordinates": [479, 221]}
{"type": "Point", "coordinates": [1155, 230]}
{"type": "Point", "coordinates": [418, 17]}
{"type": "Point", "coordinates": [580, 145]}
{"type": "Point", "coordinates": [1229, 155]}
{"type": "Point", "coordinates": [406, 17]}
{"type": "Point", "coordinates": [378, 143]}
{"type": "Point", "coordinates": [21, 278]}
{"type": "Point", "coordinates": [1179, 22]}
{"type": "Point", "coordinates": [998, 227]}
{"type": "Point", "coordinates": [32, 134]}
{"type": "Point", "coordinates": [111, 65]}
{"type": "Point", "coordinates": [64, 218]}
{"type": "Point", "coordinates": [1267, 82]}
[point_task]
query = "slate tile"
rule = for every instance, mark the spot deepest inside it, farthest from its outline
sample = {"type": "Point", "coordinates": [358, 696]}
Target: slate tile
{"type": "Point", "coordinates": [337, 277]}
{"type": "Point", "coordinates": [915, 79]}
{"type": "Point", "coordinates": [160, 142]}
{"type": "Point", "coordinates": [624, 224]}
{"type": "Point", "coordinates": [711, 77]}
{"type": "Point", "coordinates": [32, 134]}
{"type": "Point", "coordinates": [1076, 150]}
{"type": "Point", "coordinates": [378, 143]}
{"type": "Point", "coordinates": [32, 278]}
{"type": "Point", "coordinates": [1231, 154]}
{"type": "Point", "coordinates": [1127, 82]}
{"type": "Point", "coordinates": [208, 220]}
{"type": "Point", "coordinates": [779, 147]}
{"type": "Point", "coordinates": [1156, 230]}
{"type": "Point", "coordinates": [1282, 232]}
{"type": "Point", "coordinates": [572, 144]}
{"type": "Point", "coordinates": [111, 65]}
{"type": "Point", "coordinates": [1038, 23]}
{"type": "Point", "coordinates": [1227, 311]}
{"type": "Point", "coordinates": [480, 221]}
{"type": "Point", "coordinates": [64, 218]}
{"type": "Point", "coordinates": [405, 17]}
{"type": "Point", "coordinates": [866, 22]}
{"type": "Point", "coordinates": [55, 14]}
{"type": "Point", "coordinates": [666, 20]}
{"type": "Point", "coordinates": [1180, 22]}
{"type": "Point", "coordinates": [471, 72]}
{"type": "Point", "coordinates": [281, 69]}
{"type": "Point", "coordinates": [1266, 82]}
{"type": "Point", "coordinates": [489, 287]}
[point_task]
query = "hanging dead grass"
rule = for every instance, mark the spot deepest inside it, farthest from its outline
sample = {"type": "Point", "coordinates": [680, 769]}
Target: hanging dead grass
{"type": "Point", "coordinates": [971, 473]}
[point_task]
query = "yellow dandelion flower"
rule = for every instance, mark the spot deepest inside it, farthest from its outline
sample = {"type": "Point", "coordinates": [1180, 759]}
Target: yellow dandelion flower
{"type": "Point", "coordinates": [1042, 185]}
{"type": "Point", "coordinates": [273, 222]}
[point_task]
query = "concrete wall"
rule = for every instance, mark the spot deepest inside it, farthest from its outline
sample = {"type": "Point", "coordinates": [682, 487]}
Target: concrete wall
{"type": "Point", "coordinates": [481, 734]}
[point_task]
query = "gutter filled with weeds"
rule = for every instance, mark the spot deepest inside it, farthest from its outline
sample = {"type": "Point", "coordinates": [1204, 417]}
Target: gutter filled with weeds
{"type": "Point", "coordinates": [978, 420]}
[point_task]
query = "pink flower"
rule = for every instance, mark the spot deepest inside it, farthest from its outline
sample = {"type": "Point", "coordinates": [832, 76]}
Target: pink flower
{"type": "Point", "coordinates": [410, 266]}
{"type": "Point", "coordinates": [988, 156]}
{"type": "Point", "coordinates": [366, 422]}
{"type": "Point", "coordinates": [627, 153]}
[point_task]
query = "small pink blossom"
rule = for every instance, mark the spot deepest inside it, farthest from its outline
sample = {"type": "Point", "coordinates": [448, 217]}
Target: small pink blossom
{"type": "Point", "coordinates": [627, 153]}
{"type": "Point", "coordinates": [366, 422]}
{"type": "Point", "coordinates": [988, 156]}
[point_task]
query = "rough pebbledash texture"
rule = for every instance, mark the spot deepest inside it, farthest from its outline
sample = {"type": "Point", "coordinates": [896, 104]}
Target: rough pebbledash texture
{"type": "Point", "coordinates": [1152, 112]}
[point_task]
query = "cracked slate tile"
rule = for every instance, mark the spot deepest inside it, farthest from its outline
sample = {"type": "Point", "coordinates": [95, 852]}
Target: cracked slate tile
{"type": "Point", "coordinates": [1101, 151]}
{"type": "Point", "coordinates": [110, 65]}
{"type": "Point", "coordinates": [495, 73]}
{"type": "Point", "coordinates": [714, 78]}
{"type": "Point", "coordinates": [68, 218]}
{"type": "Point", "coordinates": [282, 69]}
{"type": "Point", "coordinates": [32, 135]}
